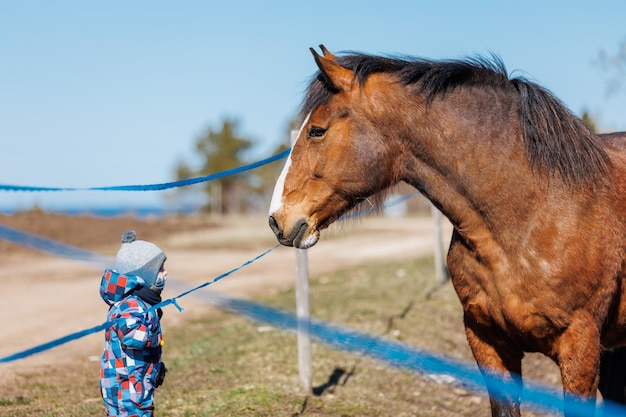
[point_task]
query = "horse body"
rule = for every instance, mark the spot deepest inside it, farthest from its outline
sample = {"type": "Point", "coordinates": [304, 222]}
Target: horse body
{"type": "Point", "coordinates": [537, 252]}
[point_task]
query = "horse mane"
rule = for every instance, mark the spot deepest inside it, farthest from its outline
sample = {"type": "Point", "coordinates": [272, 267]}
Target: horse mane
{"type": "Point", "coordinates": [557, 143]}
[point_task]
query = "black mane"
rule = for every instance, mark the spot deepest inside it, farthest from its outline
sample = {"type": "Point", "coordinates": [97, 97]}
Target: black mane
{"type": "Point", "coordinates": [556, 141]}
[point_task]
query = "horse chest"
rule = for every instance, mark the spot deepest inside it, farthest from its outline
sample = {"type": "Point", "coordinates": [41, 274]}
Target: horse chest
{"type": "Point", "coordinates": [496, 299]}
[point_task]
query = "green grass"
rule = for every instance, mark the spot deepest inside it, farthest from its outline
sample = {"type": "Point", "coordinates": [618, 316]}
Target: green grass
{"type": "Point", "coordinates": [226, 365]}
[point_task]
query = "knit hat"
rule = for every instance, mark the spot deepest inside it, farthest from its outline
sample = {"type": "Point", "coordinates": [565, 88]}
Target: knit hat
{"type": "Point", "coordinates": [140, 258]}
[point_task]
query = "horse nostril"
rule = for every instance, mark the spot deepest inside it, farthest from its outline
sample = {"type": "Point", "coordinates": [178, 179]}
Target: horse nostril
{"type": "Point", "coordinates": [274, 226]}
{"type": "Point", "coordinates": [299, 231]}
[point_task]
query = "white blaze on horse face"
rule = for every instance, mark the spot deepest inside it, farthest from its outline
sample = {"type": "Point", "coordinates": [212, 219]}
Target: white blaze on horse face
{"type": "Point", "coordinates": [277, 195]}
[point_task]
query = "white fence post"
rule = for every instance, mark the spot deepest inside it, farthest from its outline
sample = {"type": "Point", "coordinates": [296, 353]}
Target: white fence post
{"type": "Point", "coordinates": [304, 317]}
{"type": "Point", "coordinates": [303, 312]}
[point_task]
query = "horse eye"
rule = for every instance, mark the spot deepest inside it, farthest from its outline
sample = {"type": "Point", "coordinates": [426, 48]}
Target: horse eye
{"type": "Point", "coordinates": [317, 132]}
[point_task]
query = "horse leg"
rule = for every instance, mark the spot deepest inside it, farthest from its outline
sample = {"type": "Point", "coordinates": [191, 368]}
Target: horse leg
{"type": "Point", "coordinates": [501, 366]}
{"type": "Point", "coordinates": [578, 355]}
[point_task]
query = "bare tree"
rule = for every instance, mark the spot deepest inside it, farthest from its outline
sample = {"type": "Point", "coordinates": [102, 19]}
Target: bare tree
{"type": "Point", "coordinates": [614, 65]}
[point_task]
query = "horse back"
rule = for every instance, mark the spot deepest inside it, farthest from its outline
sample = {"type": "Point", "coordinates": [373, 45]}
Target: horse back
{"type": "Point", "coordinates": [615, 140]}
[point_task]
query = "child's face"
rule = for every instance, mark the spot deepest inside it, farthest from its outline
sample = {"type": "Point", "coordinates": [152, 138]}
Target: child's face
{"type": "Point", "coordinates": [162, 275]}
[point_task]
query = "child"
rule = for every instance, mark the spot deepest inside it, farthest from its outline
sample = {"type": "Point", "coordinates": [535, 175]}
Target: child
{"type": "Point", "coordinates": [131, 366]}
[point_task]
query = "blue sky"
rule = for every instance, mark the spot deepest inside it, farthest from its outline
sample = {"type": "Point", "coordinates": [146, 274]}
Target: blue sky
{"type": "Point", "coordinates": [99, 93]}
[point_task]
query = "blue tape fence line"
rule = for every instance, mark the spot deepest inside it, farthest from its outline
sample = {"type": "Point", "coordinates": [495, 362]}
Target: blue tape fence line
{"type": "Point", "coordinates": [53, 247]}
{"type": "Point", "coordinates": [69, 252]}
{"type": "Point", "coordinates": [402, 356]}
{"type": "Point", "coordinates": [391, 352]}
{"type": "Point", "coordinates": [153, 187]}
{"type": "Point", "coordinates": [82, 333]}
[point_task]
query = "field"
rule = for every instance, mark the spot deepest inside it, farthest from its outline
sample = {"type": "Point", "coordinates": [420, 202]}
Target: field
{"type": "Point", "coordinates": [374, 275]}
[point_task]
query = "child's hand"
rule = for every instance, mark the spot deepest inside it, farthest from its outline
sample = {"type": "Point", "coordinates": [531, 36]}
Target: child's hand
{"type": "Point", "coordinates": [160, 375]}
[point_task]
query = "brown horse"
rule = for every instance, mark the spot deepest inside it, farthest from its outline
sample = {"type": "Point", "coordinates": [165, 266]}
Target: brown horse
{"type": "Point", "coordinates": [537, 201]}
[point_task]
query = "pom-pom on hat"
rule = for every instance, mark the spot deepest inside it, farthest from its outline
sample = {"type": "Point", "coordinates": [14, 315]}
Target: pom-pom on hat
{"type": "Point", "coordinates": [140, 258]}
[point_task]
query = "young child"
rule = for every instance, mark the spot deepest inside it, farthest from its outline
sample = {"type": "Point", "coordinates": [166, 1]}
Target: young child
{"type": "Point", "coordinates": [131, 366]}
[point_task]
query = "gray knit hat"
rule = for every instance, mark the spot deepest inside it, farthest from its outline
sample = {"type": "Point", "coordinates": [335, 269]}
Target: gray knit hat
{"type": "Point", "coordinates": [140, 258]}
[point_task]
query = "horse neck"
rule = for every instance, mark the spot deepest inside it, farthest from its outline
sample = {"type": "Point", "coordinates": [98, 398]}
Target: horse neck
{"type": "Point", "coordinates": [466, 154]}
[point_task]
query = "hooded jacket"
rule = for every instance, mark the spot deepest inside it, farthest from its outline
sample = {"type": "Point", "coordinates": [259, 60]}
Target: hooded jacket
{"type": "Point", "coordinates": [131, 360]}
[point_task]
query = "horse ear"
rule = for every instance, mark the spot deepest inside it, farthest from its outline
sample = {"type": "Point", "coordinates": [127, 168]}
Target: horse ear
{"type": "Point", "coordinates": [335, 76]}
{"type": "Point", "coordinates": [327, 53]}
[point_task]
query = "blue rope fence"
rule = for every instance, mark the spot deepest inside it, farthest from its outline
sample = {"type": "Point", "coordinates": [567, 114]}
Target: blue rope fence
{"type": "Point", "coordinates": [82, 333]}
{"type": "Point", "coordinates": [391, 352]}
{"type": "Point", "coordinates": [62, 250]}
{"type": "Point", "coordinates": [53, 247]}
{"type": "Point", "coordinates": [153, 187]}
{"type": "Point", "coordinates": [406, 357]}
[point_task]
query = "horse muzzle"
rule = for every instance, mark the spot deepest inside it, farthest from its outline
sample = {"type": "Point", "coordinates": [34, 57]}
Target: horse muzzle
{"type": "Point", "coordinates": [299, 235]}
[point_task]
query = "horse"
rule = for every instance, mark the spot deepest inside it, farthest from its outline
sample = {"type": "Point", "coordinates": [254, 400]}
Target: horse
{"type": "Point", "coordinates": [536, 200]}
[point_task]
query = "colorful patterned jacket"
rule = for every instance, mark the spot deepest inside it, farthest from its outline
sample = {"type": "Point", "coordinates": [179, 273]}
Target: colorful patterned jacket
{"type": "Point", "coordinates": [131, 360]}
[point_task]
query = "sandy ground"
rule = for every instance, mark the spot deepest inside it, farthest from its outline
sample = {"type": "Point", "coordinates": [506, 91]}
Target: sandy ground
{"type": "Point", "coordinates": [44, 298]}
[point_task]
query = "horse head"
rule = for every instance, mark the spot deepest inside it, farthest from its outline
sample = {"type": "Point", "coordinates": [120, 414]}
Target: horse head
{"type": "Point", "coordinates": [337, 160]}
